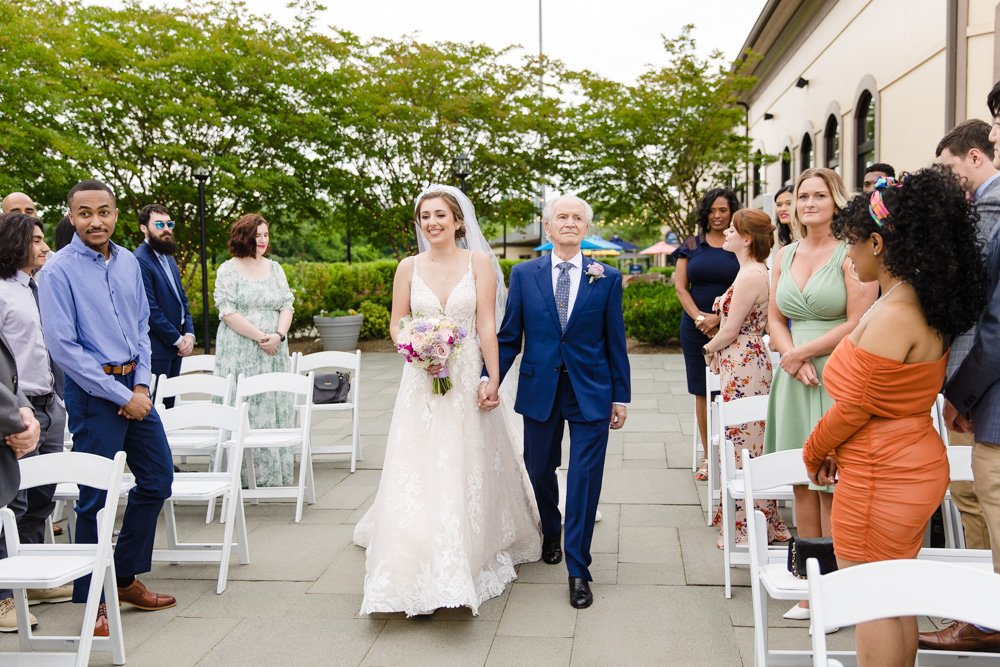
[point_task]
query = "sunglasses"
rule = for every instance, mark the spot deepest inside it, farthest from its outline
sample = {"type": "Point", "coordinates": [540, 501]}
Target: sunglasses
{"type": "Point", "coordinates": [160, 224]}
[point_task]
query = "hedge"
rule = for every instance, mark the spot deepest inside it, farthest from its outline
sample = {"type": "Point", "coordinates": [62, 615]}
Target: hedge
{"type": "Point", "coordinates": [652, 311]}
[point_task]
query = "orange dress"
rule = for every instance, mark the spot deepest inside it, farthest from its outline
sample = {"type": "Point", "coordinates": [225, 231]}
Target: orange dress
{"type": "Point", "coordinates": [892, 467]}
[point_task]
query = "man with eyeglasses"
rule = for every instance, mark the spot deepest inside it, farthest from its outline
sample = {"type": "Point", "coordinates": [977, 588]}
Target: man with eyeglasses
{"type": "Point", "coordinates": [171, 331]}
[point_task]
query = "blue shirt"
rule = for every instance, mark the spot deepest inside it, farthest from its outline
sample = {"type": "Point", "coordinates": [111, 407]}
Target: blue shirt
{"type": "Point", "coordinates": [94, 312]}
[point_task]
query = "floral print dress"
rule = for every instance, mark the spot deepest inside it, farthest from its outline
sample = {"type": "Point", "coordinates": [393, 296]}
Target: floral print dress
{"type": "Point", "coordinates": [745, 370]}
{"type": "Point", "coordinates": [259, 301]}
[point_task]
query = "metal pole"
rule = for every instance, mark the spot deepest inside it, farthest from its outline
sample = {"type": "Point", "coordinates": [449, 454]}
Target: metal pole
{"type": "Point", "coordinates": [505, 238]}
{"type": "Point", "coordinates": [348, 241]}
{"type": "Point", "coordinates": [204, 265]}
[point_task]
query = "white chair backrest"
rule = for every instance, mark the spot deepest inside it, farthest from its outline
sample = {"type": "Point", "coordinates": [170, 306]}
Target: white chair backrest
{"type": "Point", "coordinates": [960, 460]}
{"type": "Point", "coordinates": [90, 470]}
{"type": "Point", "coordinates": [713, 382]}
{"type": "Point", "coordinates": [742, 411]}
{"type": "Point", "coordinates": [194, 383]}
{"type": "Point", "coordinates": [204, 415]}
{"type": "Point", "coordinates": [893, 588]}
{"type": "Point", "coordinates": [330, 359]}
{"type": "Point", "coordinates": [198, 363]}
{"type": "Point", "coordinates": [265, 383]}
{"type": "Point", "coordinates": [771, 470]}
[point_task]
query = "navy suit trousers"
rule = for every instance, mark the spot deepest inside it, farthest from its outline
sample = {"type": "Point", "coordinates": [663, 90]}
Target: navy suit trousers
{"type": "Point", "coordinates": [98, 429]}
{"type": "Point", "coordinates": [542, 455]}
{"type": "Point", "coordinates": [169, 366]}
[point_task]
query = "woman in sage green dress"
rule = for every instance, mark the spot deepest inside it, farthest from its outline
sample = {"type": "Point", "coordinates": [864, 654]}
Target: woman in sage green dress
{"type": "Point", "coordinates": [255, 307]}
{"type": "Point", "coordinates": [813, 289]}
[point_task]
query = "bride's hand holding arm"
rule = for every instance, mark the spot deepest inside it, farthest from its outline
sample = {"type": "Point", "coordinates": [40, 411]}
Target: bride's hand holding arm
{"type": "Point", "coordinates": [486, 326]}
{"type": "Point", "coordinates": [400, 295]}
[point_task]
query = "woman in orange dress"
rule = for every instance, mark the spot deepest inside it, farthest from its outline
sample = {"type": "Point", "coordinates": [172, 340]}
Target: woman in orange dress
{"type": "Point", "coordinates": [918, 240]}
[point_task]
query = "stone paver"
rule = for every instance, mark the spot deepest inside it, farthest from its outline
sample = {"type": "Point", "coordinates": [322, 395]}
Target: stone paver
{"type": "Point", "coordinates": [658, 576]}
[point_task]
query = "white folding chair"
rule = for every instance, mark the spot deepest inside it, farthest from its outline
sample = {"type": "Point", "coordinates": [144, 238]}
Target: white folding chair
{"type": "Point", "coordinates": [232, 426]}
{"type": "Point", "coordinates": [183, 389]}
{"type": "Point", "coordinates": [769, 575]}
{"type": "Point", "coordinates": [67, 493]}
{"type": "Point", "coordinates": [891, 588]}
{"type": "Point", "coordinates": [330, 361]}
{"type": "Point", "coordinates": [51, 565]}
{"type": "Point", "coordinates": [198, 363]}
{"type": "Point", "coordinates": [711, 385]}
{"type": "Point", "coordinates": [735, 413]}
{"type": "Point", "coordinates": [295, 438]}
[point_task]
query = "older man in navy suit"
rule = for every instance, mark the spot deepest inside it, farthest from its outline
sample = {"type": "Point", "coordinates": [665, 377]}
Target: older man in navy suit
{"type": "Point", "coordinates": [567, 310]}
{"type": "Point", "coordinates": [171, 331]}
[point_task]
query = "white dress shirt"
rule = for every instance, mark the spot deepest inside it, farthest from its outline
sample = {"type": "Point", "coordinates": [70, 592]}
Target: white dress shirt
{"type": "Point", "coordinates": [575, 273]}
{"type": "Point", "coordinates": [22, 327]}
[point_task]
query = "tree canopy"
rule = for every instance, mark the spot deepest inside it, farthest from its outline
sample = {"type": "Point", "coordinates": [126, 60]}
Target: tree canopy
{"type": "Point", "coordinates": [332, 137]}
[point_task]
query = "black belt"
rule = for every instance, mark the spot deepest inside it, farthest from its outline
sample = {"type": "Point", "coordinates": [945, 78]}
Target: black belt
{"type": "Point", "coordinates": [42, 401]}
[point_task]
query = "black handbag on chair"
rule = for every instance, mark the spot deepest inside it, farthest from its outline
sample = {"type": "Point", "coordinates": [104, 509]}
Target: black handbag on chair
{"type": "Point", "coordinates": [331, 388]}
{"type": "Point", "coordinates": [801, 549]}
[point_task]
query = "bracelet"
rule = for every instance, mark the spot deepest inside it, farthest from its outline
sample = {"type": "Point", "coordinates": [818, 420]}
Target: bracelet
{"type": "Point", "coordinates": [705, 351]}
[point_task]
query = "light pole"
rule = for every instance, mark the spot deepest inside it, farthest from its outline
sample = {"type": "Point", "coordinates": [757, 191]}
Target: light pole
{"type": "Point", "coordinates": [201, 174]}
{"type": "Point", "coordinates": [460, 167]}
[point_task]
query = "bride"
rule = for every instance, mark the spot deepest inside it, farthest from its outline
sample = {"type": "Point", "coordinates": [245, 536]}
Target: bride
{"type": "Point", "coordinates": [454, 511]}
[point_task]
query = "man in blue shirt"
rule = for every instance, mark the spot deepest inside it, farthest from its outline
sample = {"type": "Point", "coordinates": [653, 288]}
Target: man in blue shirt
{"type": "Point", "coordinates": [95, 322]}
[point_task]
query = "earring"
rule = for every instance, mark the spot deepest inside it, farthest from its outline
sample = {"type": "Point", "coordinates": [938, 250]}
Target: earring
{"type": "Point", "coordinates": [875, 253]}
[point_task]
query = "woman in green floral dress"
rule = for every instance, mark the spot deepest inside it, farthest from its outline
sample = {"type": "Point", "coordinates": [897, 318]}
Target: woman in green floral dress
{"type": "Point", "coordinates": [255, 307]}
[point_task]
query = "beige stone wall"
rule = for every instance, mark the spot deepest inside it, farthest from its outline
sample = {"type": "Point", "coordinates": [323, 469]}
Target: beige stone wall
{"type": "Point", "coordinates": [896, 49]}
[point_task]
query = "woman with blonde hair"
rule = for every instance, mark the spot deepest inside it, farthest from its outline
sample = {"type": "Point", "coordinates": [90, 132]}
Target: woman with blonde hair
{"type": "Point", "coordinates": [738, 353]}
{"type": "Point", "coordinates": [813, 290]}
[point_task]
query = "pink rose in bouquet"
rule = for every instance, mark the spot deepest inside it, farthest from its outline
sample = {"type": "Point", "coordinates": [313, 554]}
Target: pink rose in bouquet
{"type": "Point", "coordinates": [430, 341]}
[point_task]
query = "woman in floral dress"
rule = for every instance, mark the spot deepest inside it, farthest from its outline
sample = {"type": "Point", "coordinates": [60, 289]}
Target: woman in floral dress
{"type": "Point", "coordinates": [255, 308]}
{"type": "Point", "coordinates": [738, 354]}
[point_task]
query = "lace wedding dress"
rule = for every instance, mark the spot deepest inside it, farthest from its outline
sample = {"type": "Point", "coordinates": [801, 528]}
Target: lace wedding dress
{"type": "Point", "coordinates": [454, 511]}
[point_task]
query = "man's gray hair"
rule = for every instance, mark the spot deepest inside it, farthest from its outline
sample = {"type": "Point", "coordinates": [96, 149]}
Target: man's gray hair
{"type": "Point", "coordinates": [549, 210]}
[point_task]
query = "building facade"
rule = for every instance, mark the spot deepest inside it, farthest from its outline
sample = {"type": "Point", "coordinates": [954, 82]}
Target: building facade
{"type": "Point", "coordinates": [846, 83]}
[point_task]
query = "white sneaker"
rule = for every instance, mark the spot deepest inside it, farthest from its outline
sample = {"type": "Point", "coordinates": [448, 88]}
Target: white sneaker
{"type": "Point", "coordinates": [50, 595]}
{"type": "Point", "coordinates": [797, 613]}
{"type": "Point", "coordinates": [8, 616]}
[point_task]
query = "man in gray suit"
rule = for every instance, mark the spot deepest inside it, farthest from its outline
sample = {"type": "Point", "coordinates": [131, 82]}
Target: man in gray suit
{"type": "Point", "coordinates": [968, 152]}
{"type": "Point", "coordinates": [973, 404]}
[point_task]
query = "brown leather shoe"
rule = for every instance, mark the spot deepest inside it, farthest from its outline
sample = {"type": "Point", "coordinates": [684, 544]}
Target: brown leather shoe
{"type": "Point", "coordinates": [960, 636]}
{"type": "Point", "coordinates": [101, 626]}
{"type": "Point", "coordinates": [140, 597]}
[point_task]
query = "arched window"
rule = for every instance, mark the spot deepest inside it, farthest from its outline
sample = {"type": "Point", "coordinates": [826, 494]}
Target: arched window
{"type": "Point", "coordinates": [757, 159]}
{"type": "Point", "coordinates": [831, 140]}
{"type": "Point", "coordinates": [806, 153]}
{"type": "Point", "coordinates": [786, 166]}
{"type": "Point", "coordinates": [864, 128]}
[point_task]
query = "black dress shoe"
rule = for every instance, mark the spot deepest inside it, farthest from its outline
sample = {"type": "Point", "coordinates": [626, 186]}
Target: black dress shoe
{"type": "Point", "coordinates": [551, 550]}
{"type": "Point", "coordinates": [579, 593]}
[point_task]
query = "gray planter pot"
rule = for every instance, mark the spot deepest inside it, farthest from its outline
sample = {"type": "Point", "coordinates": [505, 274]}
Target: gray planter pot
{"type": "Point", "coordinates": [339, 333]}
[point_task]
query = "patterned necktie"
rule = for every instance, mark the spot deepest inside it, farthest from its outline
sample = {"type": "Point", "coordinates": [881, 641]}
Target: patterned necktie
{"type": "Point", "coordinates": [562, 293]}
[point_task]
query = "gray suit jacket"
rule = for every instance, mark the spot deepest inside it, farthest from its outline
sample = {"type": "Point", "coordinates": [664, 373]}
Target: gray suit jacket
{"type": "Point", "coordinates": [987, 206]}
{"type": "Point", "coordinates": [975, 385]}
{"type": "Point", "coordinates": [11, 399]}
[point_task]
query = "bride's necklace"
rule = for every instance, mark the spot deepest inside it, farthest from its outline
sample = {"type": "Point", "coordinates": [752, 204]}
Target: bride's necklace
{"type": "Point", "coordinates": [880, 300]}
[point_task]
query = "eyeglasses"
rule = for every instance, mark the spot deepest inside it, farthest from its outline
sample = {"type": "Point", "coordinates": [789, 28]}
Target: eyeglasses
{"type": "Point", "coordinates": [160, 224]}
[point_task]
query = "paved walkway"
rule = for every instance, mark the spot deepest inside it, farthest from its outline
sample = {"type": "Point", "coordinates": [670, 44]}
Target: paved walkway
{"type": "Point", "coordinates": [658, 576]}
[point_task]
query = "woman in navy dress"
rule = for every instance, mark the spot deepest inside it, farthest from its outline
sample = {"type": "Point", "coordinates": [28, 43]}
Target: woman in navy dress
{"type": "Point", "coordinates": [704, 272]}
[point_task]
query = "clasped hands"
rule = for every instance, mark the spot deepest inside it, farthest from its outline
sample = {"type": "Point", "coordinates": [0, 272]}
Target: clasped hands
{"type": "Point", "coordinates": [954, 420]}
{"type": "Point", "coordinates": [26, 441]}
{"type": "Point", "coordinates": [269, 343]}
{"type": "Point", "coordinates": [138, 406]}
{"type": "Point", "coordinates": [800, 367]}
{"type": "Point", "coordinates": [826, 474]}
{"type": "Point", "coordinates": [488, 396]}
{"type": "Point", "coordinates": [186, 346]}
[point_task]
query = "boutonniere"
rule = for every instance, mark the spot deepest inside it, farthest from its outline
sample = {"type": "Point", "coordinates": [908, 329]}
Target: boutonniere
{"type": "Point", "coordinates": [595, 272]}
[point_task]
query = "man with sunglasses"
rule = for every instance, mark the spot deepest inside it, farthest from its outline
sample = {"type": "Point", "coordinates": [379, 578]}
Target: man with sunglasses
{"type": "Point", "coordinates": [171, 331]}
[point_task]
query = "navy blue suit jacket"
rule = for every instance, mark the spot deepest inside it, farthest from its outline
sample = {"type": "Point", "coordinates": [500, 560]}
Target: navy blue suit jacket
{"type": "Point", "coordinates": [165, 311]}
{"type": "Point", "coordinates": [592, 348]}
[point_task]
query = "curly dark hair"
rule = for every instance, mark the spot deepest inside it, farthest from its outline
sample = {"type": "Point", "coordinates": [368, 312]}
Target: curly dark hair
{"type": "Point", "coordinates": [16, 230]}
{"type": "Point", "coordinates": [706, 205]}
{"type": "Point", "coordinates": [930, 242]}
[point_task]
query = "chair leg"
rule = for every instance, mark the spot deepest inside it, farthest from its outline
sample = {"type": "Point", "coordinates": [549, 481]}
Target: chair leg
{"type": "Point", "coordinates": [355, 442]}
{"type": "Point", "coordinates": [226, 549]}
{"type": "Point", "coordinates": [728, 510]}
{"type": "Point", "coordinates": [300, 490]}
{"type": "Point", "coordinates": [251, 472]}
{"type": "Point", "coordinates": [695, 441]}
{"type": "Point", "coordinates": [243, 544]}
{"type": "Point", "coordinates": [310, 481]}
{"type": "Point", "coordinates": [24, 634]}
{"type": "Point", "coordinates": [116, 636]}
{"type": "Point", "coordinates": [171, 523]}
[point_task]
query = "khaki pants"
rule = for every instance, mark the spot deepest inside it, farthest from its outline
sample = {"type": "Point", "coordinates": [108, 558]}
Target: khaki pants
{"type": "Point", "coordinates": [986, 471]}
{"type": "Point", "coordinates": [963, 494]}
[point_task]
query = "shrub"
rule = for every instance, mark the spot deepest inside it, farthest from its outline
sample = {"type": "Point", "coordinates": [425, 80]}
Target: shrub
{"type": "Point", "coordinates": [652, 312]}
{"type": "Point", "coordinates": [668, 271]}
{"type": "Point", "coordinates": [376, 323]}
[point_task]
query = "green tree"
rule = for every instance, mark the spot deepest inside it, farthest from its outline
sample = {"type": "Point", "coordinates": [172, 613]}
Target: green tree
{"type": "Point", "coordinates": [646, 151]}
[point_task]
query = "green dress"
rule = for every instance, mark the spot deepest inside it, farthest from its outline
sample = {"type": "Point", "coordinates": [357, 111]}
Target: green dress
{"type": "Point", "coordinates": [259, 301]}
{"type": "Point", "coordinates": [793, 408]}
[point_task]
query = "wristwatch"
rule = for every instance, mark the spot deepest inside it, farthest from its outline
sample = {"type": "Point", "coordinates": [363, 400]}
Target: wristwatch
{"type": "Point", "coordinates": [281, 336]}
{"type": "Point", "coordinates": [705, 351]}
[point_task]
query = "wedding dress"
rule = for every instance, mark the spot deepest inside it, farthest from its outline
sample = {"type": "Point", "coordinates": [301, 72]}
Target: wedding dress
{"type": "Point", "coordinates": [454, 511]}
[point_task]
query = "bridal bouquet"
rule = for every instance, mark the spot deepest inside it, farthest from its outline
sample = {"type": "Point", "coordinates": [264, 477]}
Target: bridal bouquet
{"type": "Point", "coordinates": [430, 341]}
